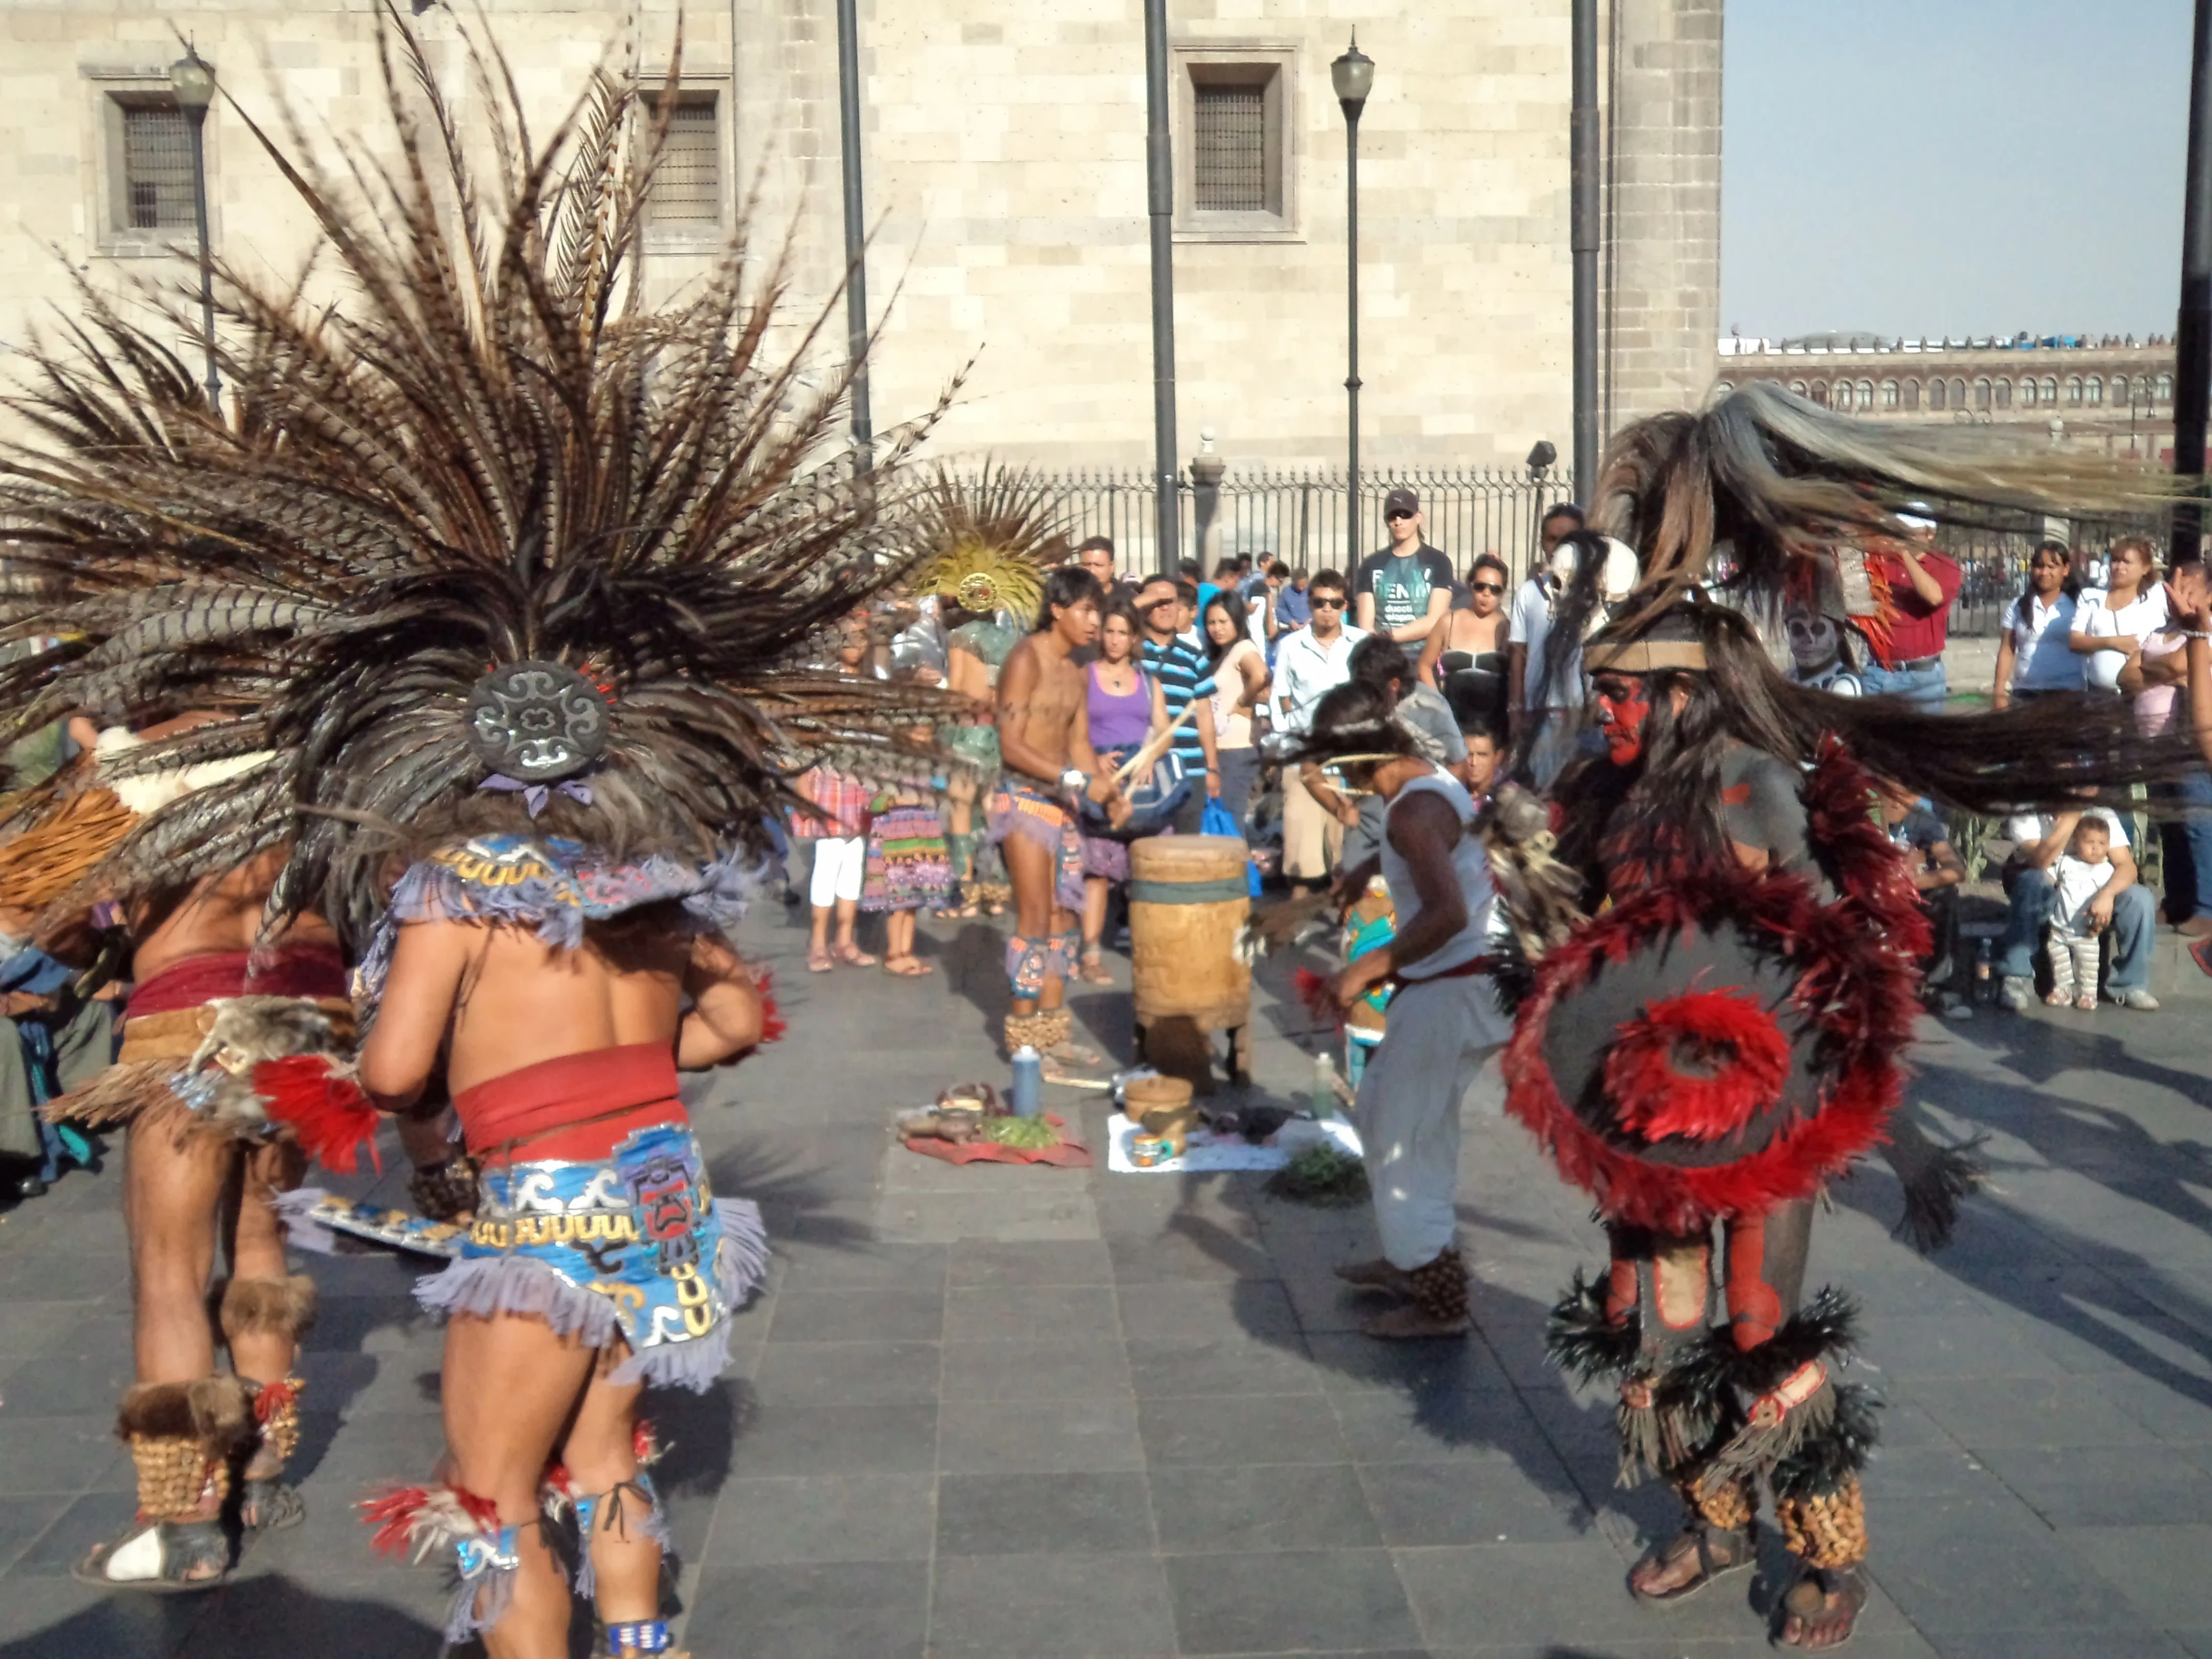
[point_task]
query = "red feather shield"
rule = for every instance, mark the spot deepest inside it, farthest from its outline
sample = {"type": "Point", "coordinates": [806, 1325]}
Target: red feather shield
{"type": "Point", "coordinates": [1850, 965]}
{"type": "Point", "coordinates": [323, 1106]}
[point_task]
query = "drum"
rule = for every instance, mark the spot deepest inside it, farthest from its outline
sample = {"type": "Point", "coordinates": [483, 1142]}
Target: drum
{"type": "Point", "coordinates": [1187, 905]}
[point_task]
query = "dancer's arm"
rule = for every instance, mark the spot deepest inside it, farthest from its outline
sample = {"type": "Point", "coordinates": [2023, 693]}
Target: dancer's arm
{"type": "Point", "coordinates": [429, 963]}
{"type": "Point", "coordinates": [725, 1017]}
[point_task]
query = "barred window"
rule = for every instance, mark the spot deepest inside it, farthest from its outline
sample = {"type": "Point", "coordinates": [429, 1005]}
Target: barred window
{"type": "Point", "coordinates": [153, 167]}
{"type": "Point", "coordinates": [1231, 153]}
{"type": "Point", "coordinates": [1912, 394]}
{"type": "Point", "coordinates": [2095, 392]}
{"type": "Point", "coordinates": [686, 185]}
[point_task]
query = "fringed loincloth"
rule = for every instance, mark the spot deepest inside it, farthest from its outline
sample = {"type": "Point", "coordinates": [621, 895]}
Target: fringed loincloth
{"type": "Point", "coordinates": [193, 1034]}
{"type": "Point", "coordinates": [594, 1214]}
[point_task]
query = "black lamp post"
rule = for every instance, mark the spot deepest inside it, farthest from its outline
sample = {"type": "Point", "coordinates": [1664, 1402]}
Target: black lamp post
{"type": "Point", "coordinates": [856, 233]}
{"type": "Point", "coordinates": [1353, 74]}
{"type": "Point", "coordinates": [193, 82]}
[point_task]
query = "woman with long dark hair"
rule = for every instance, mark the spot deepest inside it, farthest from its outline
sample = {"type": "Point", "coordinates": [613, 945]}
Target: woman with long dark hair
{"type": "Point", "coordinates": [2110, 627]}
{"type": "Point", "coordinates": [2035, 654]}
{"type": "Point", "coordinates": [1464, 656]}
{"type": "Point", "coordinates": [1122, 707]}
{"type": "Point", "coordinates": [1239, 671]}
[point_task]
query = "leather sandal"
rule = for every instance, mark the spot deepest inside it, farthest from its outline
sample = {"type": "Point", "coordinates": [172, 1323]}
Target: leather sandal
{"type": "Point", "coordinates": [270, 1504]}
{"type": "Point", "coordinates": [1825, 1605]}
{"type": "Point", "coordinates": [168, 1558]}
{"type": "Point", "coordinates": [1713, 1563]}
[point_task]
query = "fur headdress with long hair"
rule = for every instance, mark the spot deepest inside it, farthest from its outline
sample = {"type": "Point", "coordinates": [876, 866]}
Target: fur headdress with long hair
{"type": "Point", "coordinates": [487, 516]}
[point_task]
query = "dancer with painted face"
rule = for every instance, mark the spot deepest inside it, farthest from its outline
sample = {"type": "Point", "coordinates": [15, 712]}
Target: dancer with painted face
{"type": "Point", "coordinates": [1722, 1035]}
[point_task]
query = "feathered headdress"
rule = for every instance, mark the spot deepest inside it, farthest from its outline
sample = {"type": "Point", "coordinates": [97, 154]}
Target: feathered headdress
{"type": "Point", "coordinates": [987, 543]}
{"type": "Point", "coordinates": [485, 519]}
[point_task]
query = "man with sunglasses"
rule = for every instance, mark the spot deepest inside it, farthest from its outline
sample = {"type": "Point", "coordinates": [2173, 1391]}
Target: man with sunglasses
{"type": "Point", "coordinates": [1311, 662]}
{"type": "Point", "coordinates": [1402, 589]}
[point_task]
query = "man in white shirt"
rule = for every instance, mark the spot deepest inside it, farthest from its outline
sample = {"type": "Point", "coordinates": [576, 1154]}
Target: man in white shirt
{"type": "Point", "coordinates": [1310, 662]}
{"type": "Point", "coordinates": [2123, 906]}
{"type": "Point", "coordinates": [1525, 632]}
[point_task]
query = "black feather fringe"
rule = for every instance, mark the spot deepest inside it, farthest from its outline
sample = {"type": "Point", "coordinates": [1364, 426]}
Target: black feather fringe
{"type": "Point", "coordinates": [1937, 1179]}
{"type": "Point", "coordinates": [1823, 1463]}
{"type": "Point", "coordinates": [1585, 1344]}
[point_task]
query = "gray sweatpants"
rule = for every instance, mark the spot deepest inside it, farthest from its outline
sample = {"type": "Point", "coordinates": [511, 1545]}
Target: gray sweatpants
{"type": "Point", "coordinates": [1434, 1039]}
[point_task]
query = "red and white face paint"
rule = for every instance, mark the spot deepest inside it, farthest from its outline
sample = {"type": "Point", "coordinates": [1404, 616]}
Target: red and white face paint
{"type": "Point", "coordinates": [1623, 702]}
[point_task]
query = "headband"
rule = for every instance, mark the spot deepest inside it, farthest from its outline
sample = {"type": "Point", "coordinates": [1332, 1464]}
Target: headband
{"type": "Point", "coordinates": [1643, 656]}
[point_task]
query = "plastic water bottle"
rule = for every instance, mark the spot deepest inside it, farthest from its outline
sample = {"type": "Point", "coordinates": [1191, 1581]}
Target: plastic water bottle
{"type": "Point", "coordinates": [1323, 1100]}
{"type": "Point", "coordinates": [1028, 1081]}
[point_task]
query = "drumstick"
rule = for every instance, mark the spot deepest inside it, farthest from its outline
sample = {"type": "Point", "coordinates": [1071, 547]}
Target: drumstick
{"type": "Point", "coordinates": [1154, 747]}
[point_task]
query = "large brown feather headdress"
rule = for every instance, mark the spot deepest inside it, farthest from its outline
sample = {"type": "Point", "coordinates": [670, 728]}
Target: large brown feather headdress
{"type": "Point", "coordinates": [485, 456]}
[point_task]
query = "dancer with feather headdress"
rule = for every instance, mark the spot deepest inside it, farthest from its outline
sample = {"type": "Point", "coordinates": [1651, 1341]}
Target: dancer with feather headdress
{"type": "Point", "coordinates": [1703, 1055]}
{"type": "Point", "coordinates": [496, 575]}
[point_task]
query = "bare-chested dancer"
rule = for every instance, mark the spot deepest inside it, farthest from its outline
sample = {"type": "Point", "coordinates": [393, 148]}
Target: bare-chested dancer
{"type": "Point", "coordinates": [563, 1064]}
{"type": "Point", "coordinates": [1032, 816]}
{"type": "Point", "coordinates": [199, 1174]}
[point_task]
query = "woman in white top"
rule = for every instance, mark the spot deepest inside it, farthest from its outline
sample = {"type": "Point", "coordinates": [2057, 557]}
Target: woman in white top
{"type": "Point", "coordinates": [1240, 685]}
{"type": "Point", "coordinates": [2036, 657]}
{"type": "Point", "coordinates": [2110, 627]}
{"type": "Point", "coordinates": [1444, 1021]}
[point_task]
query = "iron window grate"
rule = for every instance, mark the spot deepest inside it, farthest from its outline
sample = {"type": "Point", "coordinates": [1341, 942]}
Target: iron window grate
{"type": "Point", "coordinates": [1231, 155]}
{"type": "Point", "coordinates": [157, 168]}
{"type": "Point", "coordinates": [686, 185]}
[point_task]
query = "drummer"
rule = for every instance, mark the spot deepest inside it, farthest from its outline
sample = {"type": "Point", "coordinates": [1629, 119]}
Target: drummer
{"type": "Point", "coordinates": [1444, 1020]}
{"type": "Point", "coordinates": [1032, 818]}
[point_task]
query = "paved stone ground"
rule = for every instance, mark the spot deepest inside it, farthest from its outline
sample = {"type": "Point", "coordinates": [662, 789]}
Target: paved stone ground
{"type": "Point", "coordinates": [1029, 1413]}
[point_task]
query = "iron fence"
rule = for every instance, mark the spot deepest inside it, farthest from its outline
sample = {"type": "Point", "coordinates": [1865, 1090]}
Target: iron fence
{"type": "Point", "coordinates": [1298, 517]}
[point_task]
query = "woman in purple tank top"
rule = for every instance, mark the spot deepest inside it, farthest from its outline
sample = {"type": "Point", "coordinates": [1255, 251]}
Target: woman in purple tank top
{"type": "Point", "coordinates": [1122, 706]}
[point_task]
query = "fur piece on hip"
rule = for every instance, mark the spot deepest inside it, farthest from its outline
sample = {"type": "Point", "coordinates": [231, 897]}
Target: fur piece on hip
{"type": "Point", "coordinates": [271, 1307]}
{"type": "Point", "coordinates": [248, 1031]}
{"type": "Point", "coordinates": [212, 1410]}
{"type": "Point", "coordinates": [1540, 894]}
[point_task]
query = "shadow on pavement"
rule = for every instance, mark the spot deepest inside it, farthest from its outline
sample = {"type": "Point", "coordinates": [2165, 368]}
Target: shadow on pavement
{"type": "Point", "coordinates": [265, 1615]}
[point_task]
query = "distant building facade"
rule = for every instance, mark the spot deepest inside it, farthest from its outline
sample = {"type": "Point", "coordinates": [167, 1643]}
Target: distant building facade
{"type": "Point", "coordinates": [2111, 395]}
{"type": "Point", "coordinates": [1004, 160]}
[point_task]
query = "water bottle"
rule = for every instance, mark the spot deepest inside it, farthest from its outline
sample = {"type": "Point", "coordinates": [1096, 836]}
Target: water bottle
{"type": "Point", "coordinates": [1028, 1081]}
{"type": "Point", "coordinates": [1322, 1102]}
{"type": "Point", "coordinates": [1983, 955]}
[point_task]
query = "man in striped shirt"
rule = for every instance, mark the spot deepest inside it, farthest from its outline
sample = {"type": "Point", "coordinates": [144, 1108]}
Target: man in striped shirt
{"type": "Point", "coordinates": [1184, 678]}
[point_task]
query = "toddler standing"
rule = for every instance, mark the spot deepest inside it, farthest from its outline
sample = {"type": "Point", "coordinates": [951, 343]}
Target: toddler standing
{"type": "Point", "coordinates": [2074, 947]}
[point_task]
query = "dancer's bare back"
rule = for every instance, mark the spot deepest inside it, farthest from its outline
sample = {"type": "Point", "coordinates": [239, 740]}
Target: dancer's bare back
{"type": "Point", "coordinates": [497, 998]}
{"type": "Point", "coordinates": [221, 914]}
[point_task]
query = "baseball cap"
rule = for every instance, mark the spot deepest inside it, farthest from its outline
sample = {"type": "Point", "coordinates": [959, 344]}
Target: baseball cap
{"type": "Point", "coordinates": [1401, 499]}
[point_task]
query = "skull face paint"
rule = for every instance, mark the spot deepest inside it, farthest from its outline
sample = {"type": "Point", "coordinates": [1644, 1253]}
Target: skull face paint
{"type": "Point", "coordinates": [1623, 702]}
{"type": "Point", "coordinates": [1816, 642]}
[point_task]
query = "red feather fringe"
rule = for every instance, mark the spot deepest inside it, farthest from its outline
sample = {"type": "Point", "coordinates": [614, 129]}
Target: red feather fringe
{"type": "Point", "coordinates": [322, 1106]}
{"type": "Point", "coordinates": [272, 1398]}
{"type": "Point", "coordinates": [1728, 1031]}
{"type": "Point", "coordinates": [1856, 980]}
{"type": "Point", "coordinates": [402, 1513]}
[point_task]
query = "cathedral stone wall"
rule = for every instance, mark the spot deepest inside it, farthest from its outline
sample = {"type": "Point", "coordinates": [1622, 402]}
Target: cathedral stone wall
{"type": "Point", "coordinates": [1005, 177]}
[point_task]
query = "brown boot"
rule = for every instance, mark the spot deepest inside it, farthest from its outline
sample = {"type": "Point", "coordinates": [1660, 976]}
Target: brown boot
{"type": "Point", "coordinates": [1438, 1308]}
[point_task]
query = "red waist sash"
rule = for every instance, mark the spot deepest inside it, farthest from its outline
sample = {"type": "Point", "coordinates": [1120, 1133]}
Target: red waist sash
{"type": "Point", "coordinates": [292, 970]}
{"type": "Point", "coordinates": [573, 1108]}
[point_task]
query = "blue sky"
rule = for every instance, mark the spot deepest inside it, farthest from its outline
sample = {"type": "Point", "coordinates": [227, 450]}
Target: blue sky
{"type": "Point", "coordinates": [1974, 167]}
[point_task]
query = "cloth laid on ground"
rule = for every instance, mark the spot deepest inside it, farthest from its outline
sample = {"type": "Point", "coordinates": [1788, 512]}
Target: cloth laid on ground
{"type": "Point", "coordinates": [1208, 1153]}
{"type": "Point", "coordinates": [1066, 1155]}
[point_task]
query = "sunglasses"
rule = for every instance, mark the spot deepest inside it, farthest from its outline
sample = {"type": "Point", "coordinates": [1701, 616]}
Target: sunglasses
{"type": "Point", "coordinates": [1327, 604]}
{"type": "Point", "coordinates": [1393, 517]}
{"type": "Point", "coordinates": [1489, 588]}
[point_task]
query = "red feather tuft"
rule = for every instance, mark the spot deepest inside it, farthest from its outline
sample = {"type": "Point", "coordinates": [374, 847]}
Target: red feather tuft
{"type": "Point", "coordinates": [272, 1398]}
{"type": "Point", "coordinates": [393, 1517]}
{"type": "Point", "coordinates": [322, 1106]}
{"type": "Point", "coordinates": [771, 1025]}
{"type": "Point", "coordinates": [1742, 1056]}
{"type": "Point", "coordinates": [1314, 991]}
{"type": "Point", "coordinates": [643, 1445]}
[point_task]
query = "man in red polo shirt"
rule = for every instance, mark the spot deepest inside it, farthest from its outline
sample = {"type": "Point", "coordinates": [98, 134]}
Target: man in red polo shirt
{"type": "Point", "coordinates": [1922, 585]}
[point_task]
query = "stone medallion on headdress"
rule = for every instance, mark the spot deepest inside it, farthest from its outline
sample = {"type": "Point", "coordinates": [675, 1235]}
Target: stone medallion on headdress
{"type": "Point", "coordinates": [537, 722]}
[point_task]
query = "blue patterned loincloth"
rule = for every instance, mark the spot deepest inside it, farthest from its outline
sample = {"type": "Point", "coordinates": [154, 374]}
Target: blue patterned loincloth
{"type": "Point", "coordinates": [632, 1247]}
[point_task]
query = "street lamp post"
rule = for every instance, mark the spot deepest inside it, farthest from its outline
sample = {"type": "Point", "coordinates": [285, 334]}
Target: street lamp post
{"type": "Point", "coordinates": [856, 233]}
{"type": "Point", "coordinates": [1353, 75]}
{"type": "Point", "coordinates": [193, 82]}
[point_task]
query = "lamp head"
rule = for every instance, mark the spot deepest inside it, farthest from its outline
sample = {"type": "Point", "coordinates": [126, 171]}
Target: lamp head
{"type": "Point", "coordinates": [1542, 455]}
{"type": "Point", "coordinates": [193, 82]}
{"type": "Point", "coordinates": [1353, 74]}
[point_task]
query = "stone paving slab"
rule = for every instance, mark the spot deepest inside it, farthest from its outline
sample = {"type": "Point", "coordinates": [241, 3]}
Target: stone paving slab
{"type": "Point", "coordinates": [1022, 1412]}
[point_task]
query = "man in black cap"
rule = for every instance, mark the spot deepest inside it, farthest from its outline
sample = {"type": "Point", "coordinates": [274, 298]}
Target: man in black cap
{"type": "Point", "coordinates": [1402, 591]}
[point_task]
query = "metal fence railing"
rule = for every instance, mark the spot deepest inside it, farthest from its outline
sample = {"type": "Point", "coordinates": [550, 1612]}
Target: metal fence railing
{"type": "Point", "coordinates": [1993, 568]}
{"type": "Point", "coordinates": [1299, 517]}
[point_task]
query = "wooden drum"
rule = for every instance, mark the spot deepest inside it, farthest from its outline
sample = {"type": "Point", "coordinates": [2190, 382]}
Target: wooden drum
{"type": "Point", "coordinates": [1188, 904]}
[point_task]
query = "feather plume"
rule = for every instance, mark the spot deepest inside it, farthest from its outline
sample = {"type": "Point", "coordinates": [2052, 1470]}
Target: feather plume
{"type": "Point", "coordinates": [991, 540]}
{"type": "Point", "coordinates": [490, 452]}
